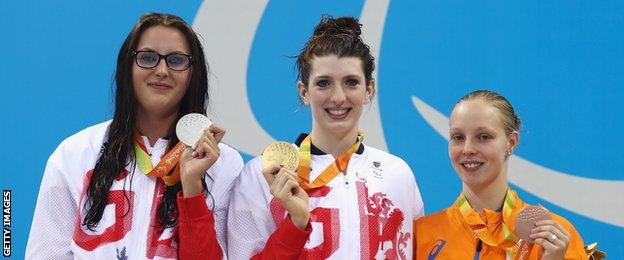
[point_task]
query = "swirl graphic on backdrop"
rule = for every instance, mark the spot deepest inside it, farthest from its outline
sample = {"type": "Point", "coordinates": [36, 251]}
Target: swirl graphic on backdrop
{"type": "Point", "coordinates": [229, 54]}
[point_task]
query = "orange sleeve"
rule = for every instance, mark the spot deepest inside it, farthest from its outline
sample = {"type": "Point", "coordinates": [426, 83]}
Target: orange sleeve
{"type": "Point", "coordinates": [576, 248]}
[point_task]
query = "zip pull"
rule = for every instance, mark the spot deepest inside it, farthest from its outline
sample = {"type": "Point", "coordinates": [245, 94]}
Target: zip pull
{"type": "Point", "coordinates": [478, 250]}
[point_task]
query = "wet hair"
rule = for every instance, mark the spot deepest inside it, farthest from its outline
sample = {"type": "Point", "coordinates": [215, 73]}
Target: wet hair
{"type": "Point", "coordinates": [509, 117]}
{"type": "Point", "coordinates": [335, 36]}
{"type": "Point", "coordinates": [118, 150]}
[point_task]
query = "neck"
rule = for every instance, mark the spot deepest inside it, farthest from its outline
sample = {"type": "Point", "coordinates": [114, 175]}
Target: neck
{"type": "Point", "coordinates": [490, 197]}
{"type": "Point", "coordinates": [334, 144]}
{"type": "Point", "coordinates": [155, 126]}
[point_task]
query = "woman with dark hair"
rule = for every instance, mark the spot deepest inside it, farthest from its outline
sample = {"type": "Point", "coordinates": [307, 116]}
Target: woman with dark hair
{"type": "Point", "coordinates": [346, 200]}
{"type": "Point", "coordinates": [128, 187]}
{"type": "Point", "coordinates": [481, 224]}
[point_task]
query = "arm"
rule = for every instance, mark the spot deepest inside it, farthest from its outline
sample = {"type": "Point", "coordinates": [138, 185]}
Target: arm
{"type": "Point", "coordinates": [55, 215]}
{"type": "Point", "coordinates": [198, 239]}
{"type": "Point", "coordinates": [257, 228]}
{"type": "Point", "coordinates": [286, 242]}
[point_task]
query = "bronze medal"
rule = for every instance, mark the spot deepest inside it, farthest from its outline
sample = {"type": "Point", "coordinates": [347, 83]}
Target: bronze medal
{"type": "Point", "coordinates": [526, 219]}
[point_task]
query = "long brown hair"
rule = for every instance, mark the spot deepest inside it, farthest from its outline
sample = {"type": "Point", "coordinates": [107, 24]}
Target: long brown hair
{"type": "Point", "coordinates": [117, 152]}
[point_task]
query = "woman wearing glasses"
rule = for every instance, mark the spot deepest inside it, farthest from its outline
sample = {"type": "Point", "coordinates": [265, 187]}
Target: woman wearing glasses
{"type": "Point", "coordinates": [346, 200]}
{"type": "Point", "coordinates": [101, 195]}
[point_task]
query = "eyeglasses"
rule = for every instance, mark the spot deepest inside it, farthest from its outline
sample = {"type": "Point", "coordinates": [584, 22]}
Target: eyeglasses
{"type": "Point", "coordinates": [150, 59]}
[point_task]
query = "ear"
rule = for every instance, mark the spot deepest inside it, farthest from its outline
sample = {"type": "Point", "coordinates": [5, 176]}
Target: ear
{"type": "Point", "coordinates": [371, 89]}
{"type": "Point", "coordinates": [512, 142]}
{"type": "Point", "coordinates": [303, 93]}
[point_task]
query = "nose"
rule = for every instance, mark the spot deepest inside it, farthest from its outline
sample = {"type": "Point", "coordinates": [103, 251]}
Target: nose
{"type": "Point", "coordinates": [469, 148]}
{"type": "Point", "coordinates": [338, 96]}
{"type": "Point", "coordinates": [161, 69]}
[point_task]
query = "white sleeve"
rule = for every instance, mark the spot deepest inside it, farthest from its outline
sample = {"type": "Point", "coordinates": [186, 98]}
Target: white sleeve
{"type": "Point", "coordinates": [225, 174]}
{"type": "Point", "coordinates": [249, 222]}
{"type": "Point", "coordinates": [419, 207]}
{"type": "Point", "coordinates": [55, 215]}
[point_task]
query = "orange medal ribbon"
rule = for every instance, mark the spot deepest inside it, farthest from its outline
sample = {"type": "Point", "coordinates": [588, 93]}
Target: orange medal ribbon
{"type": "Point", "coordinates": [168, 162]}
{"type": "Point", "coordinates": [339, 165]}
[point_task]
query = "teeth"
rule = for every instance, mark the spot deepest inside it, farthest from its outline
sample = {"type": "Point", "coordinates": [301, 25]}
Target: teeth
{"type": "Point", "coordinates": [471, 165]}
{"type": "Point", "coordinates": [337, 112]}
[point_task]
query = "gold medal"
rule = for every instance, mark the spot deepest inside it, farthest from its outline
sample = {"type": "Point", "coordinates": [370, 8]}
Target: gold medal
{"type": "Point", "coordinates": [281, 153]}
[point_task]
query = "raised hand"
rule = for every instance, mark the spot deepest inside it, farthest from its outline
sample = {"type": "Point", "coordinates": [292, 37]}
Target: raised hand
{"type": "Point", "coordinates": [195, 162]}
{"type": "Point", "coordinates": [553, 238]}
{"type": "Point", "coordinates": [284, 186]}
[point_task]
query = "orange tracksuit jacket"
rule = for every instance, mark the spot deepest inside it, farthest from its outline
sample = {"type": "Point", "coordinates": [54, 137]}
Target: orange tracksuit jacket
{"type": "Point", "coordinates": [444, 235]}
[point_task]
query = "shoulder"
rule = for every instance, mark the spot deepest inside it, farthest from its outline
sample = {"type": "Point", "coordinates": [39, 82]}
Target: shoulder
{"type": "Point", "coordinates": [435, 228]}
{"type": "Point", "coordinates": [228, 167]}
{"type": "Point", "coordinates": [433, 220]}
{"type": "Point", "coordinates": [563, 221]}
{"type": "Point", "coordinates": [575, 237]}
{"type": "Point", "coordinates": [252, 181]}
{"type": "Point", "coordinates": [389, 162]}
{"type": "Point", "coordinates": [87, 137]}
{"type": "Point", "coordinates": [251, 176]}
{"type": "Point", "coordinates": [376, 154]}
{"type": "Point", "coordinates": [253, 167]}
{"type": "Point", "coordinates": [83, 145]}
{"type": "Point", "coordinates": [75, 156]}
{"type": "Point", "coordinates": [230, 155]}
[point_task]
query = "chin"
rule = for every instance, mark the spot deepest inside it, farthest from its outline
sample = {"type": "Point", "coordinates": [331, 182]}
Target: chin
{"type": "Point", "coordinates": [341, 128]}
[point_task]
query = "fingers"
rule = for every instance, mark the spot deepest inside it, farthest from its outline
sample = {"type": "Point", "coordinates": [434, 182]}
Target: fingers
{"type": "Point", "coordinates": [217, 132]}
{"type": "Point", "coordinates": [206, 145]}
{"type": "Point", "coordinates": [187, 153]}
{"type": "Point", "coordinates": [551, 236]}
{"type": "Point", "coordinates": [283, 178]}
{"type": "Point", "coordinates": [288, 189]}
{"type": "Point", "coordinates": [547, 228]}
{"type": "Point", "coordinates": [270, 172]}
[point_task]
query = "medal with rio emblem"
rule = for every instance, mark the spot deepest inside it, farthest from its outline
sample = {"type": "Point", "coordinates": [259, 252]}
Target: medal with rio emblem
{"type": "Point", "coordinates": [281, 153]}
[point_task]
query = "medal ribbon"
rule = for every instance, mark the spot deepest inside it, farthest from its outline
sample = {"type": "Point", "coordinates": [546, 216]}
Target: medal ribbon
{"type": "Point", "coordinates": [339, 165]}
{"type": "Point", "coordinates": [168, 162]}
{"type": "Point", "coordinates": [502, 237]}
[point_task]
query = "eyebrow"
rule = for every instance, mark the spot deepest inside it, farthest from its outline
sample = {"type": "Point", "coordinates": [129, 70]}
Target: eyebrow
{"type": "Point", "coordinates": [483, 128]}
{"type": "Point", "coordinates": [173, 52]}
{"type": "Point", "coordinates": [322, 77]}
{"type": "Point", "coordinates": [480, 128]}
{"type": "Point", "coordinates": [350, 76]}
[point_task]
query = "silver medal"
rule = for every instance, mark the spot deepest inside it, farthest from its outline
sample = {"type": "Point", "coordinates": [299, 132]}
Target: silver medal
{"type": "Point", "coordinates": [191, 127]}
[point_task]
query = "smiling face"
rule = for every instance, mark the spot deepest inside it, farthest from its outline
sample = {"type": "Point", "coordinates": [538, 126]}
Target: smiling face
{"type": "Point", "coordinates": [478, 144]}
{"type": "Point", "coordinates": [336, 93]}
{"type": "Point", "coordinates": [159, 90]}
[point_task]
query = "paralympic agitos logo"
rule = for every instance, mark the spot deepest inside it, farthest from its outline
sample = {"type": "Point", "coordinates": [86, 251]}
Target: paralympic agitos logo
{"type": "Point", "coordinates": [229, 55]}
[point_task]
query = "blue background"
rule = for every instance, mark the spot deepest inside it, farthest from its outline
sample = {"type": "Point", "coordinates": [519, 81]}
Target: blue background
{"type": "Point", "coordinates": [560, 64]}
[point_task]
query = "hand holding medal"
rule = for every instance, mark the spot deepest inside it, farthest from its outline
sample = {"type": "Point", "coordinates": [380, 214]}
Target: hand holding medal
{"type": "Point", "coordinates": [535, 225]}
{"type": "Point", "coordinates": [279, 162]}
{"type": "Point", "coordinates": [526, 219]}
{"type": "Point", "coordinates": [202, 138]}
{"type": "Point", "coordinates": [280, 153]}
